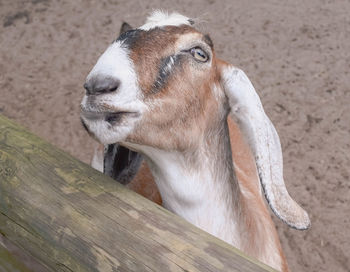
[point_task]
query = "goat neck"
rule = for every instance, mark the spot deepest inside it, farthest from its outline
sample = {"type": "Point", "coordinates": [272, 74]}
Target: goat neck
{"type": "Point", "coordinates": [200, 185]}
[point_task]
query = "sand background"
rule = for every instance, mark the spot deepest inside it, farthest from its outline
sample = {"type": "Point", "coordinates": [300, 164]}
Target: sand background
{"type": "Point", "coordinates": [297, 54]}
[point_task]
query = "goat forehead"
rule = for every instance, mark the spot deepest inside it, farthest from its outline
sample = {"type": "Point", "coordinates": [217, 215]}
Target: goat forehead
{"type": "Point", "coordinates": [156, 38]}
{"type": "Point", "coordinates": [154, 52]}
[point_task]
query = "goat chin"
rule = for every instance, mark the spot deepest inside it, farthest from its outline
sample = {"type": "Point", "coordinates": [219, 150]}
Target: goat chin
{"type": "Point", "coordinates": [163, 91]}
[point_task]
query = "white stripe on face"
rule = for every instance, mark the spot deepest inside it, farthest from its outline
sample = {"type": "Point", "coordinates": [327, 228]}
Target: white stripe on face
{"type": "Point", "coordinates": [115, 63]}
{"type": "Point", "coordinates": [96, 108]}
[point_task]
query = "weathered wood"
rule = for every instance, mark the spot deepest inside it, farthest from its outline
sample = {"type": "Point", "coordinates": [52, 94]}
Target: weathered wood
{"type": "Point", "coordinates": [15, 259]}
{"type": "Point", "coordinates": [70, 217]}
{"type": "Point", "coordinates": [9, 263]}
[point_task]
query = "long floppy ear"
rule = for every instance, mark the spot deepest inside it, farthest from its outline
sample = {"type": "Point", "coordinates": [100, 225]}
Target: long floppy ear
{"type": "Point", "coordinates": [261, 136]}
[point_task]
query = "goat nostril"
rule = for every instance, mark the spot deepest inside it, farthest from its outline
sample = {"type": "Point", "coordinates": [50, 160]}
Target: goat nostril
{"type": "Point", "coordinates": [87, 87]}
{"type": "Point", "coordinates": [113, 88]}
{"type": "Point", "coordinates": [102, 85]}
{"type": "Point", "coordinates": [107, 86]}
{"type": "Point", "coordinates": [106, 90]}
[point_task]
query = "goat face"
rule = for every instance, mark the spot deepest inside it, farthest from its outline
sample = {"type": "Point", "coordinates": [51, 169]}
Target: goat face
{"type": "Point", "coordinates": [161, 86]}
{"type": "Point", "coordinates": [152, 86]}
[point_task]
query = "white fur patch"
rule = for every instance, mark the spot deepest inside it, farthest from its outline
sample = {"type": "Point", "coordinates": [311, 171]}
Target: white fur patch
{"type": "Point", "coordinates": [161, 18]}
{"type": "Point", "coordinates": [194, 194]}
{"type": "Point", "coordinates": [97, 159]}
{"type": "Point", "coordinates": [115, 63]}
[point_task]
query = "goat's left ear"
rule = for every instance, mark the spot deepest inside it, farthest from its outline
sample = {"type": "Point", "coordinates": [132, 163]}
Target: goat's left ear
{"type": "Point", "coordinates": [125, 27]}
{"type": "Point", "coordinates": [261, 135]}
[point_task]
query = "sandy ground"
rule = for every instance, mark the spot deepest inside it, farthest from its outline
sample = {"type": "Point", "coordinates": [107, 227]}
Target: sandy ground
{"type": "Point", "coordinates": [297, 53]}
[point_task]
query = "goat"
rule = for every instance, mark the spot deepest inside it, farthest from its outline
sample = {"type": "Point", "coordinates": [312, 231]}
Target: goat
{"type": "Point", "coordinates": [160, 93]}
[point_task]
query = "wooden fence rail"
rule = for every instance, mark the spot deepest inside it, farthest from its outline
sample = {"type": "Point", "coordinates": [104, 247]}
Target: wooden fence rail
{"type": "Point", "coordinates": [66, 216]}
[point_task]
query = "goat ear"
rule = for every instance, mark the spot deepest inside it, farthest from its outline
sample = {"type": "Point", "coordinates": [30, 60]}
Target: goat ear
{"type": "Point", "coordinates": [125, 27]}
{"type": "Point", "coordinates": [121, 163]}
{"type": "Point", "coordinates": [261, 136]}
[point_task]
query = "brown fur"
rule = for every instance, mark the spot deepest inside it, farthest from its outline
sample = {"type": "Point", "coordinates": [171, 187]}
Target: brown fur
{"type": "Point", "coordinates": [188, 96]}
{"type": "Point", "coordinates": [149, 50]}
{"type": "Point", "coordinates": [193, 109]}
{"type": "Point", "coordinates": [144, 185]}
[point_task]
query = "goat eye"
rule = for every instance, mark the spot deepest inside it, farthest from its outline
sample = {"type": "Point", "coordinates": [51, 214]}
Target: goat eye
{"type": "Point", "coordinates": [199, 54]}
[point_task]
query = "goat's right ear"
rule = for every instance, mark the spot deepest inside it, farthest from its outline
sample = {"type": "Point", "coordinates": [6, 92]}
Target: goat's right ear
{"type": "Point", "coordinates": [261, 136]}
{"type": "Point", "coordinates": [121, 163]}
{"type": "Point", "coordinates": [125, 27]}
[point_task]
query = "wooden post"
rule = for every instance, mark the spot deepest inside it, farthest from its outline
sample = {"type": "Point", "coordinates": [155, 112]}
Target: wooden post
{"type": "Point", "coordinates": [9, 262]}
{"type": "Point", "coordinates": [69, 217]}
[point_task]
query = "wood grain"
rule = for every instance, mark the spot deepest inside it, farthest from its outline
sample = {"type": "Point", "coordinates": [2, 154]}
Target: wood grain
{"type": "Point", "coordinates": [9, 263]}
{"type": "Point", "coordinates": [70, 217]}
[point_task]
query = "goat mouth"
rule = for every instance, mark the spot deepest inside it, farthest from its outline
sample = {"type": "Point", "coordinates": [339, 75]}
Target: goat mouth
{"type": "Point", "coordinates": [115, 117]}
{"type": "Point", "coordinates": [110, 117]}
